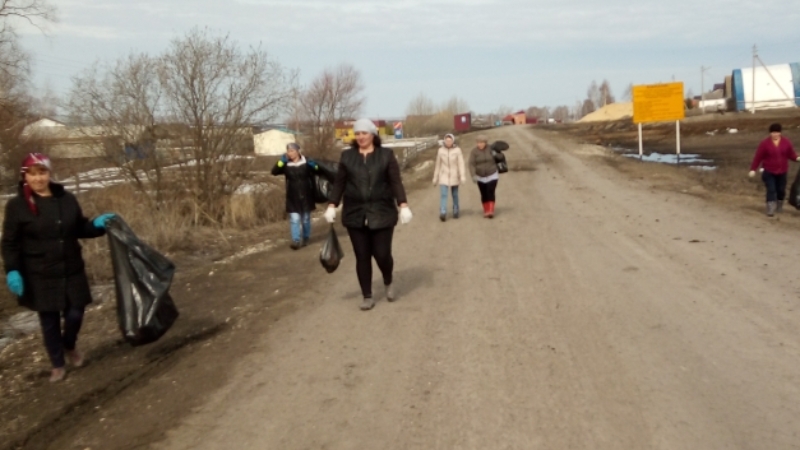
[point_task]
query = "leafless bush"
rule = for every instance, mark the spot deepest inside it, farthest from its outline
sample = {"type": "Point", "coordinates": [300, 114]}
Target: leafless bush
{"type": "Point", "coordinates": [334, 95]}
{"type": "Point", "coordinates": [423, 118]}
{"type": "Point", "coordinates": [184, 118]}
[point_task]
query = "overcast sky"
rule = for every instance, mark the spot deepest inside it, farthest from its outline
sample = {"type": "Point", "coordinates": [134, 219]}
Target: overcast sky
{"type": "Point", "coordinates": [492, 53]}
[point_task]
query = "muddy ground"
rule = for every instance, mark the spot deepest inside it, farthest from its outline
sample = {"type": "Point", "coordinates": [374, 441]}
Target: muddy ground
{"type": "Point", "coordinates": [218, 290]}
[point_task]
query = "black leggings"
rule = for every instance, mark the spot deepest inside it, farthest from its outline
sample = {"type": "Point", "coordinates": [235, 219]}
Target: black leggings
{"type": "Point", "coordinates": [55, 341]}
{"type": "Point", "coordinates": [368, 244]}
{"type": "Point", "coordinates": [776, 186]}
{"type": "Point", "coordinates": [487, 190]}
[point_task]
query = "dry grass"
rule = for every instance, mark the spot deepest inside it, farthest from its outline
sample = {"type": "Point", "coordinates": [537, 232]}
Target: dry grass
{"type": "Point", "coordinates": [168, 228]}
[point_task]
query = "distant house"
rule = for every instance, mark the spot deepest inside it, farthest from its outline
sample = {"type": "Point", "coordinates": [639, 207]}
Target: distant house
{"type": "Point", "coordinates": [517, 118]}
{"type": "Point", "coordinates": [272, 142]}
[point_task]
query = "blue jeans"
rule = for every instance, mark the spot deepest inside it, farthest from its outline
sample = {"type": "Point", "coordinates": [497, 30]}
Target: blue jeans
{"type": "Point", "coordinates": [296, 220]}
{"type": "Point", "coordinates": [443, 203]}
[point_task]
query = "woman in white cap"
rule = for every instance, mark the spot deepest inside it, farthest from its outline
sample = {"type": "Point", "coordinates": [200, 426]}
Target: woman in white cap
{"type": "Point", "coordinates": [369, 185]}
{"type": "Point", "coordinates": [448, 174]}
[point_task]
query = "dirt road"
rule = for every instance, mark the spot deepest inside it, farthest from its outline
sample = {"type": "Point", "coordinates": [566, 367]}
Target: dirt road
{"type": "Point", "coordinates": [591, 313]}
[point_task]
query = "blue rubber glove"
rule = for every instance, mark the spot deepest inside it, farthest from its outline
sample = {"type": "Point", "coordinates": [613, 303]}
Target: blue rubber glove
{"type": "Point", "coordinates": [313, 165]}
{"type": "Point", "coordinates": [14, 282]}
{"type": "Point", "coordinates": [100, 221]}
{"type": "Point", "coordinates": [284, 158]}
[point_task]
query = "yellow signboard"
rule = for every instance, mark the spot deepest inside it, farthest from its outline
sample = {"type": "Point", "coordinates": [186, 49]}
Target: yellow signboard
{"type": "Point", "coordinates": [658, 103]}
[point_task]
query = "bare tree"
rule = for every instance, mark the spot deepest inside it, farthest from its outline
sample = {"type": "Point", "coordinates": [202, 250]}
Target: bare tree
{"type": "Point", "coordinates": [455, 105]}
{"type": "Point", "coordinates": [594, 96]}
{"type": "Point", "coordinates": [13, 59]}
{"type": "Point", "coordinates": [587, 107]}
{"type": "Point", "coordinates": [119, 108]}
{"type": "Point", "coordinates": [419, 116]}
{"type": "Point", "coordinates": [334, 95]}
{"type": "Point", "coordinates": [421, 105]}
{"type": "Point", "coordinates": [606, 97]}
{"type": "Point", "coordinates": [192, 107]}
{"type": "Point", "coordinates": [561, 113]}
{"type": "Point", "coordinates": [628, 95]}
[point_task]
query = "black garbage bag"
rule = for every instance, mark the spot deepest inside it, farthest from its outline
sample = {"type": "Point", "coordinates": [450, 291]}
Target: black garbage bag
{"type": "Point", "coordinates": [327, 169]}
{"type": "Point", "coordinates": [794, 192]}
{"type": "Point", "coordinates": [499, 146]}
{"type": "Point", "coordinates": [500, 159]}
{"type": "Point", "coordinates": [323, 180]}
{"type": "Point", "coordinates": [331, 254]}
{"type": "Point", "coordinates": [145, 310]}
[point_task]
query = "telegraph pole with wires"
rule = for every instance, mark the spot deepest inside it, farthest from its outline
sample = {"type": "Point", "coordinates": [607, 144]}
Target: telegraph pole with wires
{"type": "Point", "coordinates": [703, 70]}
{"type": "Point", "coordinates": [753, 93]}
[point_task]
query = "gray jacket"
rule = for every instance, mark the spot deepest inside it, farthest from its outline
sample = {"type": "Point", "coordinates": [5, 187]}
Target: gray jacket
{"type": "Point", "coordinates": [481, 162]}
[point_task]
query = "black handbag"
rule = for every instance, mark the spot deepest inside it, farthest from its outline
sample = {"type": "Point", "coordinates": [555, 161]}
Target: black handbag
{"type": "Point", "coordinates": [500, 160]}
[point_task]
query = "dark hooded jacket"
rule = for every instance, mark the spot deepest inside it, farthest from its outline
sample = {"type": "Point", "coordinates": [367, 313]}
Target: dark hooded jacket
{"type": "Point", "coordinates": [44, 249]}
{"type": "Point", "coordinates": [299, 184]}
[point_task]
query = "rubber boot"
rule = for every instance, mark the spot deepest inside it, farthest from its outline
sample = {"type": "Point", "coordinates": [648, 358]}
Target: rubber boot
{"type": "Point", "coordinates": [491, 210]}
{"type": "Point", "coordinates": [485, 209]}
{"type": "Point", "coordinates": [779, 207]}
{"type": "Point", "coordinates": [771, 206]}
{"type": "Point", "coordinates": [367, 304]}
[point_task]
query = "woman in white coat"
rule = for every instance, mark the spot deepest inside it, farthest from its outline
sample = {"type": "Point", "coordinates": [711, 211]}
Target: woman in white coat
{"type": "Point", "coordinates": [448, 173]}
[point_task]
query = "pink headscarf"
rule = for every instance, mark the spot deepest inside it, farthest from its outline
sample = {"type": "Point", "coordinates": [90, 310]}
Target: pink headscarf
{"type": "Point", "coordinates": [33, 159]}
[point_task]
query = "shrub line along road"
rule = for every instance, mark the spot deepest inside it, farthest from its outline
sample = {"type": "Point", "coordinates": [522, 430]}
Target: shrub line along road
{"type": "Point", "coordinates": [592, 312]}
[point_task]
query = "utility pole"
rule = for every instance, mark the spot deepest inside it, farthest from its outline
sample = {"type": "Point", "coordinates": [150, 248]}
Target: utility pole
{"type": "Point", "coordinates": [703, 88]}
{"type": "Point", "coordinates": [755, 56]}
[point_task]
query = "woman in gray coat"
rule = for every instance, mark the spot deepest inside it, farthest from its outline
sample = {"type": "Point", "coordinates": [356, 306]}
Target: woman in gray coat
{"type": "Point", "coordinates": [483, 168]}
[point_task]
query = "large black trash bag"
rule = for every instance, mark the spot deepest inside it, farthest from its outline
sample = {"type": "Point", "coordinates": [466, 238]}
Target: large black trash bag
{"type": "Point", "coordinates": [142, 276]}
{"type": "Point", "coordinates": [499, 146]}
{"type": "Point", "coordinates": [500, 160]}
{"type": "Point", "coordinates": [794, 192]}
{"type": "Point", "coordinates": [331, 254]}
{"type": "Point", "coordinates": [323, 180]}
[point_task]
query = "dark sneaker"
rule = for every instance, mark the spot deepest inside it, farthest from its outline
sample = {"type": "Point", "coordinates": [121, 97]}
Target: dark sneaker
{"type": "Point", "coordinates": [305, 242]}
{"type": "Point", "coordinates": [443, 217]}
{"type": "Point", "coordinates": [295, 245]}
{"type": "Point", "coordinates": [367, 304]}
{"type": "Point", "coordinates": [455, 214]}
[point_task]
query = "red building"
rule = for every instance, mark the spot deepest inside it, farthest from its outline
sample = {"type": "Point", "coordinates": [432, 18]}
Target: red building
{"type": "Point", "coordinates": [462, 122]}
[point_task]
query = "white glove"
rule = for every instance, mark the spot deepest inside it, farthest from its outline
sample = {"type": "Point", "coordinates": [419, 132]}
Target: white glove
{"type": "Point", "coordinates": [330, 214]}
{"type": "Point", "coordinates": [405, 215]}
{"type": "Point", "coordinates": [751, 174]}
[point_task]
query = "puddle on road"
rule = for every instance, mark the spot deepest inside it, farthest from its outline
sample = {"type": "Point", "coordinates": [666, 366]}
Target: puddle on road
{"type": "Point", "coordinates": [690, 160]}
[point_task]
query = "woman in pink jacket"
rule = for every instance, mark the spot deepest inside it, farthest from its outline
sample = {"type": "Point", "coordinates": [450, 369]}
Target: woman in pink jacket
{"type": "Point", "coordinates": [774, 154]}
{"type": "Point", "coordinates": [448, 174]}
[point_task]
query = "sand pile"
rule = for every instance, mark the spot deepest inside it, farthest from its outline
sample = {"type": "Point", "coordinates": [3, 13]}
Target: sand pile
{"type": "Point", "coordinates": [614, 111]}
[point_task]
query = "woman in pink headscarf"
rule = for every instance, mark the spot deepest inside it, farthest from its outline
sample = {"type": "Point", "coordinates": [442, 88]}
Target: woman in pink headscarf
{"type": "Point", "coordinates": [43, 260]}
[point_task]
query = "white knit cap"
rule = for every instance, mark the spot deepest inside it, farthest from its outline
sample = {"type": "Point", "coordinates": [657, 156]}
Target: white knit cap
{"type": "Point", "coordinates": [365, 125]}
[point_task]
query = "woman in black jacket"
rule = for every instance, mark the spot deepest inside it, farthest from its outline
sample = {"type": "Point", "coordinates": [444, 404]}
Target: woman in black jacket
{"type": "Point", "coordinates": [368, 181]}
{"type": "Point", "coordinates": [299, 192]}
{"type": "Point", "coordinates": [43, 260]}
